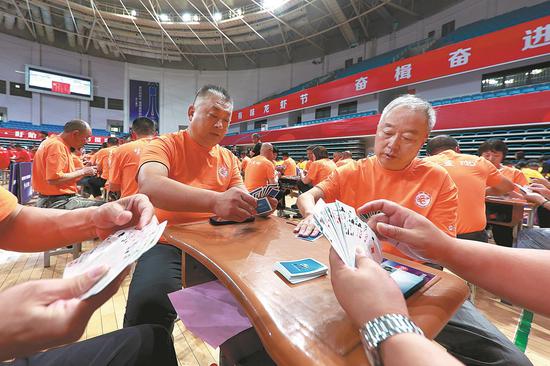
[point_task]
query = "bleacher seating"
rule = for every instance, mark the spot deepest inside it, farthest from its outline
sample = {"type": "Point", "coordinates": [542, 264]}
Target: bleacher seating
{"type": "Point", "coordinates": [297, 150]}
{"type": "Point", "coordinates": [28, 126]}
{"type": "Point", "coordinates": [336, 118]}
{"type": "Point", "coordinates": [535, 141]}
{"type": "Point", "coordinates": [494, 24]}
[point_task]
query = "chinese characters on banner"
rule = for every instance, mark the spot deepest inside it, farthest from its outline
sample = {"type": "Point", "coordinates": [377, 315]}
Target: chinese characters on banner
{"type": "Point", "coordinates": [144, 100]}
{"type": "Point", "coordinates": [62, 88]}
{"type": "Point", "coordinates": [526, 40]}
{"type": "Point", "coordinates": [33, 135]}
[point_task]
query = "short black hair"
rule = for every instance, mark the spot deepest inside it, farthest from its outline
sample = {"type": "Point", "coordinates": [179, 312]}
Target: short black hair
{"type": "Point", "coordinates": [493, 145]}
{"type": "Point", "coordinates": [143, 126]}
{"type": "Point", "coordinates": [212, 89]}
{"type": "Point", "coordinates": [75, 125]}
{"type": "Point", "coordinates": [112, 141]}
{"type": "Point", "coordinates": [104, 145]}
{"type": "Point", "coordinates": [311, 147]}
{"type": "Point", "coordinates": [285, 154]}
{"type": "Point", "coordinates": [320, 152]}
{"type": "Point", "coordinates": [440, 143]}
{"type": "Point", "coordinates": [18, 145]}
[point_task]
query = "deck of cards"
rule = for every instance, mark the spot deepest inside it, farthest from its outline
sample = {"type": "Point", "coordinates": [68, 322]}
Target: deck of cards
{"type": "Point", "coordinates": [261, 194]}
{"type": "Point", "coordinates": [300, 270]}
{"type": "Point", "coordinates": [117, 252]}
{"type": "Point", "coordinates": [345, 231]}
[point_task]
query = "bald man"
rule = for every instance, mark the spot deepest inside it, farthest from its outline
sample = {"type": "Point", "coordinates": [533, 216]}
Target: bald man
{"type": "Point", "coordinates": [260, 170]}
{"type": "Point", "coordinates": [54, 175]}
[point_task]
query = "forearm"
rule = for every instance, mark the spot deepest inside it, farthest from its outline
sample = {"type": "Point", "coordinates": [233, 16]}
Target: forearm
{"type": "Point", "coordinates": [67, 177]}
{"type": "Point", "coordinates": [168, 194]}
{"type": "Point", "coordinates": [413, 349]}
{"type": "Point", "coordinates": [46, 228]}
{"type": "Point", "coordinates": [517, 275]}
{"type": "Point", "coordinates": [306, 204]}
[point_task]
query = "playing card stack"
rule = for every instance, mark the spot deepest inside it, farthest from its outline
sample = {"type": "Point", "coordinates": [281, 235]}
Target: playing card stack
{"type": "Point", "coordinates": [346, 231]}
{"type": "Point", "coordinates": [261, 194]}
{"type": "Point", "coordinates": [301, 270]}
{"type": "Point", "coordinates": [117, 252]}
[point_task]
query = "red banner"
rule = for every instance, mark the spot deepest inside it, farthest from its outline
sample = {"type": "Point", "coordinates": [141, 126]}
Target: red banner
{"type": "Point", "coordinates": [523, 41]}
{"type": "Point", "coordinates": [503, 111]}
{"type": "Point", "coordinates": [35, 135]}
{"type": "Point", "coordinates": [62, 88]}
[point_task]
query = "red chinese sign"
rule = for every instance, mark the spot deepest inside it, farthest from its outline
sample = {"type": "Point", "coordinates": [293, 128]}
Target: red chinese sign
{"type": "Point", "coordinates": [523, 41]}
{"type": "Point", "coordinates": [62, 88]}
{"type": "Point", "coordinates": [35, 135]}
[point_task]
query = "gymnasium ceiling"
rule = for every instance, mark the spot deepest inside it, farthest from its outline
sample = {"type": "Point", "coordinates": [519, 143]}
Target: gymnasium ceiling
{"type": "Point", "coordinates": [210, 34]}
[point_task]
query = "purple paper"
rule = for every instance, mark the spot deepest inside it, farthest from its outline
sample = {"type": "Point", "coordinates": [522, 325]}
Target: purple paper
{"type": "Point", "coordinates": [210, 312]}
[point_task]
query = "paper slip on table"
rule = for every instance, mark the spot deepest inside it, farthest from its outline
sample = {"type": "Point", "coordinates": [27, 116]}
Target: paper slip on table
{"type": "Point", "coordinates": [300, 324]}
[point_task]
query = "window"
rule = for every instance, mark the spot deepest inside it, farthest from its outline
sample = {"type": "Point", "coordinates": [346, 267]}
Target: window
{"type": "Point", "coordinates": [115, 129]}
{"type": "Point", "coordinates": [98, 102]}
{"type": "Point", "coordinates": [359, 59]}
{"type": "Point", "coordinates": [18, 90]}
{"type": "Point", "coordinates": [447, 28]}
{"type": "Point", "coordinates": [348, 63]}
{"type": "Point", "coordinates": [2, 86]}
{"type": "Point", "coordinates": [182, 127]}
{"type": "Point", "coordinates": [258, 124]}
{"type": "Point", "coordinates": [322, 112]}
{"type": "Point", "coordinates": [347, 108]}
{"type": "Point", "coordinates": [116, 104]}
{"type": "Point", "coordinates": [431, 34]}
{"type": "Point", "coordinates": [513, 78]}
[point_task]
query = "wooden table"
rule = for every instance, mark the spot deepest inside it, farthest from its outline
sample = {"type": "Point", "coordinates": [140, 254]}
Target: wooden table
{"type": "Point", "coordinates": [516, 209]}
{"type": "Point", "coordinates": [299, 324]}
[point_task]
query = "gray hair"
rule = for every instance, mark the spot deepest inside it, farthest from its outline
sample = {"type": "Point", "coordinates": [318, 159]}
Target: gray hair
{"type": "Point", "coordinates": [413, 103]}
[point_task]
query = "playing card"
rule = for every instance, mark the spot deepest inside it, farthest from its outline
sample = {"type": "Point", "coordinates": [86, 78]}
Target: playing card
{"type": "Point", "coordinates": [116, 252]}
{"type": "Point", "coordinates": [309, 238]}
{"type": "Point", "coordinates": [263, 206]}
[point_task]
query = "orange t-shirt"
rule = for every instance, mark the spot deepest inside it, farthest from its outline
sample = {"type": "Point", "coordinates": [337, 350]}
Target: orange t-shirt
{"type": "Point", "coordinates": [342, 162]}
{"type": "Point", "coordinates": [290, 167]}
{"type": "Point", "coordinates": [106, 162]}
{"type": "Point", "coordinates": [308, 164]}
{"type": "Point", "coordinates": [423, 187]}
{"type": "Point", "coordinates": [23, 156]}
{"type": "Point", "coordinates": [8, 203]}
{"type": "Point", "coordinates": [215, 169]}
{"type": "Point", "coordinates": [471, 174]}
{"type": "Point", "coordinates": [244, 163]}
{"type": "Point", "coordinates": [319, 170]}
{"type": "Point", "coordinates": [258, 172]}
{"type": "Point", "coordinates": [124, 166]}
{"type": "Point", "coordinates": [4, 158]}
{"type": "Point", "coordinates": [515, 175]}
{"type": "Point", "coordinates": [78, 164]}
{"type": "Point", "coordinates": [98, 157]}
{"type": "Point", "coordinates": [52, 160]}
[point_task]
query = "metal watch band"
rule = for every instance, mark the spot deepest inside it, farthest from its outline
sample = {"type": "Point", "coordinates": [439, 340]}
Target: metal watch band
{"type": "Point", "coordinates": [385, 326]}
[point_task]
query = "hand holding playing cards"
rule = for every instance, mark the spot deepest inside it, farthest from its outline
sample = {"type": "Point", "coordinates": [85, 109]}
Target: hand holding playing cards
{"type": "Point", "coordinates": [408, 231]}
{"type": "Point", "coordinates": [128, 211]}
{"type": "Point", "coordinates": [540, 189]}
{"type": "Point", "coordinates": [48, 313]}
{"type": "Point", "coordinates": [307, 227]}
{"type": "Point", "coordinates": [542, 181]}
{"type": "Point", "coordinates": [235, 204]}
{"type": "Point", "coordinates": [365, 292]}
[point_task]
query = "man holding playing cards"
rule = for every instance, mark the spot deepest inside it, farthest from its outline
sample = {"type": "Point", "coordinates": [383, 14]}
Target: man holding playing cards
{"type": "Point", "coordinates": [396, 174]}
{"type": "Point", "coordinates": [188, 177]}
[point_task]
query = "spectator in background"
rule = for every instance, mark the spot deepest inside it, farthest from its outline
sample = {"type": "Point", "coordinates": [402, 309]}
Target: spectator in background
{"type": "Point", "coordinates": [101, 161]}
{"type": "Point", "coordinates": [531, 170]}
{"type": "Point", "coordinates": [545, 165]}
{"type": "Point", "coordinates": [495, 151]}
{"type": "Point", "coordinates": [5, 160]}
{"type": "Point", "coordinates": [289, 165]}
{"type": "Point", "coordinates": [256, 139]}
{"type": "Point", "coordinates": [245, 159]}
{"type": "Point", "coordinates": [336, 157]}
{"type": "Point", "coordinates": [310, 157]}
{"type": "Point", "coordinates": [260, 170]}
{"type": "Point", "coordinates": [346, 158]}
{"type": "Point", "coordinates": [319, 170]}
{"type": "Point", "coordinates": [472, 175]}
{"type": "Point", "coordinates": [22, 154]}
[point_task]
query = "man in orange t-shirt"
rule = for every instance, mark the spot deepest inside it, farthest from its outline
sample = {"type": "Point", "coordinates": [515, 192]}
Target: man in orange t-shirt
{"type": "Point", "coordinates": [245, 159]}
{"type": "Point", "coordinates": [319, 169]}
{"type": "Point", "coordinates": [54, 175]}
{"type": "Point", "coordinates": [346, 158]}
{"type": "Point", "coordinates": [189, 177]}
{"type": "Point", "coordinates": [260, 170]}
{"type": "Point", "coordinates": [4, 158]}
{"type": "Point", "coordinates": [101, 161]}
{"type": "Point", "coordinates": [125, 159]}
{"type": "Point", "coordinates": [22, 155]}
{"type": "Point", "coordinates": [396, 174]}
{"type": "Point", "coordinates": [495, 151]}
{"type": "Point", "coordinates": [289, 165]}
{"type": "Point", "coordinates": [472, 175]}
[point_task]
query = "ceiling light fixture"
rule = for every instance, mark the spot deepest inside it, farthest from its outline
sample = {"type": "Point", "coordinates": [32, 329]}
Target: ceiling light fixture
{"type": "Point", "coordinates": [217, 16]}
{"type": "Point", "coordinates": [196, 18]}
{"type": "Point", "coordinates": [164, 17]}
{"type": "Point", "coordinates": [133, 12]}
{"type": "Point", "coordinates": [186, 17]}
{"type": "Point", "coordinates": [272, 4]}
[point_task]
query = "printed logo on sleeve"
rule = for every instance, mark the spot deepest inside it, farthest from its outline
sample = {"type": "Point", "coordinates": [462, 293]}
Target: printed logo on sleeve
{"type": "Point", "coordinates": [223, 172]}
{"type": "Point", "coordinates": [423, 199]}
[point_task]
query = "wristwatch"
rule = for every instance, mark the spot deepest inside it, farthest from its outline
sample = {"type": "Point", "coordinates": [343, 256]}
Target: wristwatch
{"type": "Point", "coordinates": [376, 331]}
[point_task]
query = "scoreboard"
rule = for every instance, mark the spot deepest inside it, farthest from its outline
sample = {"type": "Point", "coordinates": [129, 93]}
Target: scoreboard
{"type": "Point", "coordinates": [42, 80]}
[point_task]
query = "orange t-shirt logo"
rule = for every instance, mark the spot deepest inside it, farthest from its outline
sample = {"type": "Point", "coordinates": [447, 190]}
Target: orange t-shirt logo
{"type": "Point", "coordinates": [423, 199]}
{"type": "Point", "coordinates": [223, 172]}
